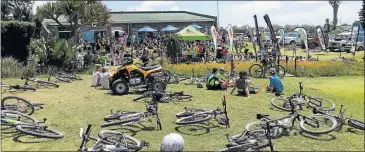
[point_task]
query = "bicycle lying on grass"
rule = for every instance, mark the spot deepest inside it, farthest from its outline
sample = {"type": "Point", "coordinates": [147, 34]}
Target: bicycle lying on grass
{"type": "Point", "coordinates": [128, 117]}
{"type": "Point", "coordinates": [193, 116]}
{"type": "Point", "coordinates": [39, 83]}
{"type": "Point", "coordinates": [341, 119]}
{"type": "Point", "coordinates": [19, 104]}
{"type": "Point", "coordinates": [313, 124]}
{"type": "Point", "coordinates": [251, 140]}
{"type": "Point", "coordinates": [110, 141]}
{"type": "Point", "coordinates": [198, 79]}
{"type": "Point", "coordinates": [175, 79]}
{"type": "Point", "coordinates": [28, 125]}
{"type": "Point", "coordinates": [321, 103]}
{"type": "Point", "coordinates": [16, 87]}
{"type": "Point", "coordinates": [166, 97]}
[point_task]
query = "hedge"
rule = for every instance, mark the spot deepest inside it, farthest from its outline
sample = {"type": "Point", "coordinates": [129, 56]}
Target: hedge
{"type": "Point", "coordinates": [15, 36]}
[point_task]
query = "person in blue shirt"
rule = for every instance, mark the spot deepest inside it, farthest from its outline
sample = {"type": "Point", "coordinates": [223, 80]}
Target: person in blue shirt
{"type": "Point", "coordinates": [275, 83]}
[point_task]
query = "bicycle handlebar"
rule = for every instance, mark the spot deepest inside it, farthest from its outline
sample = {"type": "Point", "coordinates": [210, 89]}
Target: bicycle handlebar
{"type": "Point", "coordinates": [85, 137]}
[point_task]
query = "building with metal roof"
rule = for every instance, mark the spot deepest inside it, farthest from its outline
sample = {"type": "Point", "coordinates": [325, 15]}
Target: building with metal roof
{"type": "Point", "coordinates": [130, 22]}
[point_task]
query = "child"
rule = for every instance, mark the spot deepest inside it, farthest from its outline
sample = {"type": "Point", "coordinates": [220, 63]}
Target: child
{"type": "Point", "coordinates": [244, 85]}
{"type": "Point", "coordinates": [95, 79]}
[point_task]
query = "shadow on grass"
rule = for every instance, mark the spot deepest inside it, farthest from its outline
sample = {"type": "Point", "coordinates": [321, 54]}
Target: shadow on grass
{"type": "Point", "coordinates": [196, 129]}
{"type": "Point", "coordinates": [322, 137]}
{"type": "Point", "coordinates": [133, 129]}
{"type": "Point", "coordinates": [27, 139]}
{"type": "Point", "coordinates": [137, 92]}
{"type": "Point", "coordinates": [355, 131]}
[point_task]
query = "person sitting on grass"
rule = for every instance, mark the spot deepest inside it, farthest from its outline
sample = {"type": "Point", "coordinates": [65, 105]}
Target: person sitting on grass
{"type": "Point", "coordinates": [214, 83]}
{"type": "Point", "coordinates": [275, 83]}
{"type": "Point", "coordinates": [102, 59]}
{"type": "Point", "coordinates": [105, 75]}
{"type": "Point", "coordinates": [243, 83]}
{"type": "Point", "coordinates": [95, 79]}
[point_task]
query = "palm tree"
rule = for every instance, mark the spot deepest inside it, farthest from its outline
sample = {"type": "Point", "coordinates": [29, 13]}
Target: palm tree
{"type": "Point", "coordinates": [335, 4]}
{"type": "Point", "coordinates": [173, 43]}
{"type": "Point", "coordinates": [77, 14]}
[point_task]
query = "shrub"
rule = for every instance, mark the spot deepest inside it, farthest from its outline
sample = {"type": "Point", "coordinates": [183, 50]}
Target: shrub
{"type": "Point", "coordinates": [12, 68]}
{"type": "Point", "coordinates": [15, 36]}
{"type": "Point", "coordinates": [311, 69]}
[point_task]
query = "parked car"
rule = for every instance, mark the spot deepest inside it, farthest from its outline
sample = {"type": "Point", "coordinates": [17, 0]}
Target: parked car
{"type": "Point", "coordinates": [340, 42]}
{"type": "Point", "coordinates": [294, 38]}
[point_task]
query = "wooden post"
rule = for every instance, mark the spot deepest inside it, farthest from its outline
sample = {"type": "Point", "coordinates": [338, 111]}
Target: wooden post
{"type": "Point", "coordinates": [295, 64]}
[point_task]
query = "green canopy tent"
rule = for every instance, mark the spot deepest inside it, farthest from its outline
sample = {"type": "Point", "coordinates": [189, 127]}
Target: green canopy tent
{"type": "Point", "coordinates": [190, 33]}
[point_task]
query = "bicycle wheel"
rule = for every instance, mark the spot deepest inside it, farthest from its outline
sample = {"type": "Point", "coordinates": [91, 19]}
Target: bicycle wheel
{"type": "Point", "coordinates": [25, 88]}
{"type": "Point", "coordinates": [281, 103]}
{"type": "Point", "coordinates": [321, 103]}
{"type": "Point", "coordinates": [181, 96]}
{"type": "Point", "coordinates": [39, 131]}
{"type": "Point", "coordinates": [117, 115]}
{"type": "Point", "coordinates": [356, 124]}
{"type": "Point", "coordinates": [46, 83]}
{"type": "Point", "coordinates": [275, 130]}
{"type": "Point", "coordinates": [256, 70]}
{"type": "Point", "coordinates": [280, 71]}
{"type": "Point", "coordinates": [167, 74]}
{"type": "Point", "coordinates": [194, 119]}
{"type": "Point", "coordinates": [237, 57]}
{"type": "Point", "coordinates": [63, 79]}
{"type": "Point", "coordinates": [17, 116]}
{"type": "Point", "coordinates": [318, 124]}
{"type": "Point", "coordinates": [189, 82]}
{"type": "Point", "coordinates": [189, 112]}
{"type": "Point", "coordinates": [17, 104]}
{"type": "Point", "coordinates": [115, 137]}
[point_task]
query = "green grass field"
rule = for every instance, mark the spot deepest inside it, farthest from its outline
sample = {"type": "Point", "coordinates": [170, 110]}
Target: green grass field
{"type": "Point", "coordinates": [75, 105]}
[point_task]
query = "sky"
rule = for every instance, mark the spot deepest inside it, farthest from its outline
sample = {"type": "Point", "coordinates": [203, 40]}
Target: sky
{"type": "Point", "coordinates": [241, 12]}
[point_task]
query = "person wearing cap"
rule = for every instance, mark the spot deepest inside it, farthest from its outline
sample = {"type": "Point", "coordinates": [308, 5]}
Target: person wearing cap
{"type": "Point", "coordinates": [275, 83]}
{"type": "Point", "coordinates": [172, 142]}
{"type": "Point", "coordinates": [243, 84]}
{"type": "Point", "coordinates": [214, 83]}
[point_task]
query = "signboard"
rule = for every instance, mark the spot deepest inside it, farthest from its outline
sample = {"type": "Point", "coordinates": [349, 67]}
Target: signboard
{"type": "Point", "coordinates": [88, 36]}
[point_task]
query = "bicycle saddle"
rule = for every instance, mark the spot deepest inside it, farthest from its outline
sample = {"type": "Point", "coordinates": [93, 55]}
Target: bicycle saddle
{"type": "Point", "coordinates": [260, 116]}
{"type": "Point", "coordinates": [150, 67]}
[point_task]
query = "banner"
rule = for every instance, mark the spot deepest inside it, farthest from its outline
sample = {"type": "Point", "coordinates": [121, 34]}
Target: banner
{"type": "Point", "coordinates": [281, 34]}
{"type": "Point", "coordinates": [257, 33]}
{"type": "Point", "coordinates": [214, 36]}
{"type": "Point", "coordinates": [275, 47]}
{"type": "Point", "coordinates": [320, 37]}
{"type": "Point", "coordinates": [252, 38]}
{"type": "Point", "coordinates": [354, 37]}
{"type": "Point", "coordinates": [303, 35]}
{"type": "Point", "coordinates": [88, 36]}
{"type": "Point", "coordinates": [230, 36]}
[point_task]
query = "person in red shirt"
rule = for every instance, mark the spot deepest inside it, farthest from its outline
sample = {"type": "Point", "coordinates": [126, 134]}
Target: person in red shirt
{"type": "Point", "coordinates": [201, 50]}
{"type": "Point", "coordinates": [224, 52]}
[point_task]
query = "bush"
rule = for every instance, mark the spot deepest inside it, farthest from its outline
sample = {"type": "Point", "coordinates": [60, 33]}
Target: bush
{"type": "Point", "coordinates": [11, 68]}
{"type": "Point", "coordinates": [311, 69]}
{"type": "Point", "coordinates": [15, 36]}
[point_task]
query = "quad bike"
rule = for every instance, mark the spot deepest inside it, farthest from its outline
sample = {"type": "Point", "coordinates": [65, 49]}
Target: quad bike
{"type": "Point", "coordinates": [132, 76]}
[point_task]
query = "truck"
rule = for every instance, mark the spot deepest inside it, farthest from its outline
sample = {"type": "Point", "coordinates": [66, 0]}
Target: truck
{"type": "Point", "coordinates": [294, 38]}
{"type": "Point", "coordinates": [340, 42]}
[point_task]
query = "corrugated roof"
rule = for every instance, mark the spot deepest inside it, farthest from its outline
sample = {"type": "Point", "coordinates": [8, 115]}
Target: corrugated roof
{"type": "Point", "coordinates": [148, 17]}
{"type": "Point", "coordinates": [158, 16]}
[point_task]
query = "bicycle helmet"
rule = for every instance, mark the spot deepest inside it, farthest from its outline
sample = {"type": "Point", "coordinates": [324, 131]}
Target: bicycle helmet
{"type": "Point", "coordinates": [172, 142]}
{"type": "Point", "coordinates": [199, 85]}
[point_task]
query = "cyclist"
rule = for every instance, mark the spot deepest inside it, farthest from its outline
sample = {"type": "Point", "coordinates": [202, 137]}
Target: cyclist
{"type": "Point", "coordinates": [243, 83]}
{"type": "Point", "coordinates": [214, 83]}
{"type": "Point", "coordinates": [275, 83]}
{"type": "Point", "coordinates": [172, 142]}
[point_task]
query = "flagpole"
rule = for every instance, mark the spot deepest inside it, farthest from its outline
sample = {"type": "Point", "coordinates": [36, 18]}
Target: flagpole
{"type": "Point", "coordinates": [218, 15]}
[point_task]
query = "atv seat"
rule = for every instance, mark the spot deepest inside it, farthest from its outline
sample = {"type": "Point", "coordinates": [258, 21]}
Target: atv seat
{"type": "Point", "coordinates": [150, 67]}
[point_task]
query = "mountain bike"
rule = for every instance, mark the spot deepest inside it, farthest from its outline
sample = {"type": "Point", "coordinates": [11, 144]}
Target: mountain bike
{"type": "Point", "coordinates": [260, 70]}
{"type": "Point", "coordinates": [128, 117]}
{"type": "Point", "coordinates": [341, 119]}
{"type": "Point", "coordinates": [193, 116]}
{"type": "Point", "coordinates": [193, 79]}
{"type": "Point", "coordinates": [251, 140]}
{"type": "Point", "coordinates": [299, 99]}
{"type": "Point", "coordinates": [176, 78]}
{"type": "Point", "coordinates": [39, 83]}
{"type": "Point", "coordinates": [166, 97]}
{"type": "Point", "coordinates": [19, 104]}
{"type": "Point", "coordinates": [110, 141]}
{"type": "Point", "coordinates": [28, 125]}
{"type": "Point", "coordinates": [285, 124]}
{"type": "Point", "coordinates": [16, 87]}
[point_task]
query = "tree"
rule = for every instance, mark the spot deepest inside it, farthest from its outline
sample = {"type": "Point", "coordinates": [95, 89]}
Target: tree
{"type": "Point", "coordinates": [19, 9]}
{"type": "Point", "coordinates": [362, 14]}
{"type": "Point", "coordinates": [77, 14]}
{"type": "Point", "coordinates": [173, 43]}
{"type": "Point", "coordinates": [335, 4]}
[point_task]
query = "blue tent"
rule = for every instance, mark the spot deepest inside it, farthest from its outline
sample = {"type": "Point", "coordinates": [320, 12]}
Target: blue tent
{"type": "Point", "coordinates": [196, 26]}
{"type": "Point", "coordinates": [169, 28]}
{"type": "Point", "coordinates": [146, 29]}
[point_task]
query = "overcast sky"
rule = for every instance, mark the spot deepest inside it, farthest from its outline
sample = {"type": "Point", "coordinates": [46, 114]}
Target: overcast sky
{"type": "Point", "coordinates": [241, 12]}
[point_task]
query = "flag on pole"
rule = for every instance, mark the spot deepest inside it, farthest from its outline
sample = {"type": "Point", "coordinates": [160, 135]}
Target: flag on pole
{"type": "Point", "coordinates": [354, 37]}
{"type": "Point", "coordinates": [281, 34]}
{"type": "Point", "coordinates": [320, 37]}
{"type": "Point", "coordinates": [230, 36]}
{"type": "Point", "coordinates": [252, 38]}
{"type": "Point", "coordinates": [214, 36]}
{"type": "Point", "coordinates": [303, 35]}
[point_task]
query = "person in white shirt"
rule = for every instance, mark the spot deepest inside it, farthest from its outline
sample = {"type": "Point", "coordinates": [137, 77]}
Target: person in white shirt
{"type": "Point", "coordinates": [96, 77]}
{"type": "Point", "coordinates": [105, 75]}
